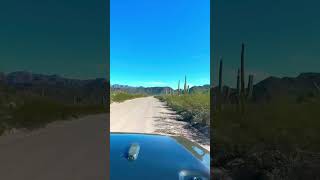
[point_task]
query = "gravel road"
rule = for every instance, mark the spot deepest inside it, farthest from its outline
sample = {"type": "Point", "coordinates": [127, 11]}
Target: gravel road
{"type": "Point", "coordinates": [149, 115]}
{"type": "Point", "coordinates": [77, 149]}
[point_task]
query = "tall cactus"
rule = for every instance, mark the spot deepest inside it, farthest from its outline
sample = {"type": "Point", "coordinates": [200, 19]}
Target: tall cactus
{"type": "Point", "coordinates": [238, 83]}
{"type": "Point", "coordinates": [242, 71]}
{"type": "Point", "coordinates": [250, 86]}
{"type": "Point", "coordinates": [179, 87]}
{"type": "Point", "coordinates": [185, 85]}
{"type": "Point", "coordinates": [220, 75]}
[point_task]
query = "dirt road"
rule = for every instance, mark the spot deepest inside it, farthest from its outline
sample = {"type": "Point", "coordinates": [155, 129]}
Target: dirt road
{"type": "Point", "coordinates": [149, 115]}
{"type": "Point", "coordinates": [64, 150]}
{"type": "Point", "coordinates": [77, 149]}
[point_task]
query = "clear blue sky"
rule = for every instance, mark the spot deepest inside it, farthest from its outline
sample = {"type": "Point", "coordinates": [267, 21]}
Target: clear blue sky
{"type": "Point", "coordinates": [158, 42]}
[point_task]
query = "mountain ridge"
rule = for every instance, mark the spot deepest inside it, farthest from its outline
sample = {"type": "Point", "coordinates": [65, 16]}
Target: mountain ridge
{"type": "Point", "coordinates": [303, 86]}
{"type": "Point", "coordinates": [156, 90]}
{"type": "Point", "coordinates": [67, 90]}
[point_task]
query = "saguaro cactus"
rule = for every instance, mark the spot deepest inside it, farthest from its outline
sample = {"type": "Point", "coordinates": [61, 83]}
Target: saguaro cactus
{"type": "Point", "coordinates": [220, 75]}
{"type": "Point", "coordinates": [250, 86]}
{"type": "Point", "coordinates": [185, 85]}
{"type": "Point", "coordinates": [188, 89]}
{"type": "Point", "coordinates": [242, 70]}
{"type": "Point", "coordinates": [179, 87]}
{"type": "Point", "coordinates": [238, 83]}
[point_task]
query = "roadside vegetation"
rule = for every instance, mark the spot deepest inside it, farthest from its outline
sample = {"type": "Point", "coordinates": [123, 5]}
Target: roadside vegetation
{"type": "Point", "coordinates": [123, 96]}
{"type": "Point", "coordinates": [38, 112]}
{"type": "Point", "coordinates": [29, 111]}
{"type": "Point", "coordinates": [194, 108]}
{"type": "Point", "coordinates": [277, 139]}
{"type": "Point", "coordinates": [288, 126]}
{"type": "Point", "coordinates": [273, 138]}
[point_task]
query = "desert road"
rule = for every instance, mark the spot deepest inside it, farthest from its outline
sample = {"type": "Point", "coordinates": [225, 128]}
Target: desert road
{"type": "Point", "coordinates": [77, 149]}
{"type": "Point", "coordinates": [149, 115]}
{"type": "Point", "coordinates": [65, 150]}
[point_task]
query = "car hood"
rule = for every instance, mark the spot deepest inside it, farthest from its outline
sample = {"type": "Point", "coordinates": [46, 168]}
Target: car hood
{"type": "Point", "coordinates": [159, 157]}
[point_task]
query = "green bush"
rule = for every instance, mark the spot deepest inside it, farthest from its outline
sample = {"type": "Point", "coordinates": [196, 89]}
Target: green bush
{"type": "Point", "coordinates": [192, 107]}
{"type": "Point", "coordinates": [122, 96]}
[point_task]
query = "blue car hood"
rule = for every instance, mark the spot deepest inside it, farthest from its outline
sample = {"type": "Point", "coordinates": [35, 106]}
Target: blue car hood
{"type": "Point", "coordinates": [159, 157]}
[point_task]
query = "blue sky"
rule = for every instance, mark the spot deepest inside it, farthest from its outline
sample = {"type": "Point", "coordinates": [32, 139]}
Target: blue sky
{"type": "Point", "coordinates": [158, 42]}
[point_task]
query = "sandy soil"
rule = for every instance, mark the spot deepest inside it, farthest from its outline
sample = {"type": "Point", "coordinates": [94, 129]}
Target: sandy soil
{"type": "Point", "coordinates": [149, 115]}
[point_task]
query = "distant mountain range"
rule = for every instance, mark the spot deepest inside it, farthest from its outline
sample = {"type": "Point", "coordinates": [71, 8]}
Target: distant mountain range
{"type": "Point", "coordinates": [57, 87]}
{"type": "Point", "coordinates": [293, 89]}
{"type": "Point", "coordinates": [155, 90]}
{"type": "Point", "coordinates": [27, 78]}
{"type": "Point", "coordinates": [93, 90]}
{"type": "Point", "coordinates": [141, 90]}
{"type": "Point", "coordinates": [66, 89]}
{"type": "Point", "coordinates": [271, 88]}
{"type": "Point", "coordinates": [200, 89]}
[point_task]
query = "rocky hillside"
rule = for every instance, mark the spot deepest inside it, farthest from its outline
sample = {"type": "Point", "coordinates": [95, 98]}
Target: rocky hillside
{"type": "Point", "coordinates": [300, 88]}
{"type": "Point", "coordinates": [200, 89]}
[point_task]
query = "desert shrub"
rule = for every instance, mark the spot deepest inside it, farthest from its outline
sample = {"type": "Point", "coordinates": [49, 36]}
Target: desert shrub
{"type": "Point", "coordinates": [37, 112]}
{"type": "Point", "coordinates": [192, 107]}
{"type": "Point", "coordinates": [122, 96]}
{"type": "Point", "coordinates": [285, 125]}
